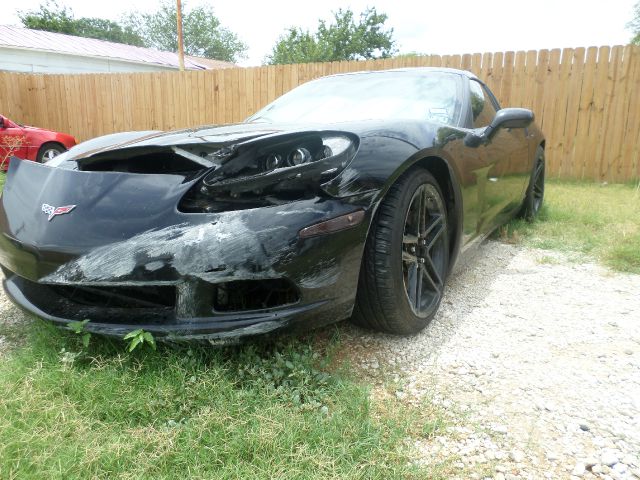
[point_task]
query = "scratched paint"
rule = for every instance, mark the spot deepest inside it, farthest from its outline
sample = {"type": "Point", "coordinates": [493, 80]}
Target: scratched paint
{"type": "Point", "coordinates": [322, 276]}
{"type": "Point", "coordinates": [197, 251]}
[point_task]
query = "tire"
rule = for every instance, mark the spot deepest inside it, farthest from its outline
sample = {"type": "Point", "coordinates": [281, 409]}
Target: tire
{"type": "Point", "coordinates": [535, 190]}
{"type": "Point", "coordinates": [405, 261]}
{"type": "Point", "coordinates": [48, 151]}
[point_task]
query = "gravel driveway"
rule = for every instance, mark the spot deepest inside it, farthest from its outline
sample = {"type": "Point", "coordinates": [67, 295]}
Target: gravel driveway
{"type": "Point", "coordinates": [535, 359]}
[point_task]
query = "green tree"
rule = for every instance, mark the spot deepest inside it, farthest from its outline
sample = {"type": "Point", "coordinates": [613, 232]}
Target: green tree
{"type": "Point", "coordinates": [52, 17]}
{"type": "Point", "coordinates": [204, 36]}
{"type": "Point", "coordinates": [343, 39]}
{"type": "Point", "coordinates": [634, 25]}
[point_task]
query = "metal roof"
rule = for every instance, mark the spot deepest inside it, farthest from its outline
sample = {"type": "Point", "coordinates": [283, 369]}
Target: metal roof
{"type": "Point", "coordinates": [18, 37]}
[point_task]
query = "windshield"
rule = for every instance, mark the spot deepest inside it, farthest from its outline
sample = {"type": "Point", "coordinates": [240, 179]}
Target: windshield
{"type": "Point", "coordinates": [433, 96]}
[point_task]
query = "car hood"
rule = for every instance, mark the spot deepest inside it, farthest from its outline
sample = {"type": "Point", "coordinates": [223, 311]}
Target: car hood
{"type": "Point", "coordinates": [35, 129]}
{"type": "Point", "coordinates": [411, 131]}
{"type": "Point", "coordinates": [225, 134]}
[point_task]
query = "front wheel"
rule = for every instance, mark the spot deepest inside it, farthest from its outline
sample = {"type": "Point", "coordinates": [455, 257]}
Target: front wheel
{"type": "Point", "coordinates": [405, 259]}
{"type": "Point", "coordinates": [48, 151]}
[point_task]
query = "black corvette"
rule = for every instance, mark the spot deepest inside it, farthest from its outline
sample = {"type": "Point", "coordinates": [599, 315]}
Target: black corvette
{"type": "Point", "coordinates": [350, 196]}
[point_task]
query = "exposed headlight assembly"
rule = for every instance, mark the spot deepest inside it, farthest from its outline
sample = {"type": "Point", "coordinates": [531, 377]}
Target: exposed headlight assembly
{"type": "Point", "coordinates": [273, 170]}
{"type": "Point", "coordinates": [287, 162]}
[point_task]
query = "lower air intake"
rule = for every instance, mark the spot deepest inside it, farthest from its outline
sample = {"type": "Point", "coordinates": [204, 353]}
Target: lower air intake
{"type": "Point", "coordinates": [246, 295]}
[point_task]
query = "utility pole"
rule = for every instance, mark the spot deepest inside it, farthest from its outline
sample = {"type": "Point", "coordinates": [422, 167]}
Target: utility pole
{"type": "Point", "coordinates": [180, 40]}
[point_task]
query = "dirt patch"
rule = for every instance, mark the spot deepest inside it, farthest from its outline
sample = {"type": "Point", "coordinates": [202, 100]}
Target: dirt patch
{"type": "Point", "coordinates": [536, 360]}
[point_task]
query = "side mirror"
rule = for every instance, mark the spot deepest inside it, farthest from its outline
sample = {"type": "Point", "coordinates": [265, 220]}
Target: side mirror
{"type": "Point", "coordinates": [1, 121]}
{"type": "Point", "coordinates": [505, 118]}
{"type": "Point", "coordinates": [512, 118]}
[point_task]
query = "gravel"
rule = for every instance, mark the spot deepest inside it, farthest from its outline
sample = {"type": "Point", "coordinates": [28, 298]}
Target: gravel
{"type": "Point", "coordinates": [535, 361]}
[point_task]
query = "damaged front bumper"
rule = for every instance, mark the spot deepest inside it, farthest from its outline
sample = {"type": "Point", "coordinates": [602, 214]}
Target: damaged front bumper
{"type": "Point", "coordinates": [166, 326]}
{"type": "Point", "coordinates": [128, 263]}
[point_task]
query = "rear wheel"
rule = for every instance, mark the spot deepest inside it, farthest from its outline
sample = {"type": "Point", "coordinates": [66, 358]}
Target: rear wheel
{"type": "Point", "coordinates": [405, 259]}
{"type": "Point", "coordinates": [48, 151]}
{"type": "Point", "coordinates": [535, 191]}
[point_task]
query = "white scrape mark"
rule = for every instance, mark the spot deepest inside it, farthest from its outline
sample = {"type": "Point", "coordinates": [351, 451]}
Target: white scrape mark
{"type": "Point", "coordinates": [153, 266]}
{"type": "Point", "coordinates": [298, 212]}
{"type": "Point", "coordinates": [321, 278]}
{"type": "Point", "coordinates": [187, 248]}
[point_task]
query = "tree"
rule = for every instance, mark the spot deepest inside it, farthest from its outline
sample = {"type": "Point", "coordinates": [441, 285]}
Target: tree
{"type": "Point", "coordinates": [634, 25]}
{"type": "Point", "coordinates": [52, 17]}
{"type": "Point", "coordinates": [204, 36]}
{"type": "Point", "coordinates": [343, 39]}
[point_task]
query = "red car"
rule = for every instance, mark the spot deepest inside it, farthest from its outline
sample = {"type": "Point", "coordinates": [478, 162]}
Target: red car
{"type": "Point", "coordinates": [30, 143]}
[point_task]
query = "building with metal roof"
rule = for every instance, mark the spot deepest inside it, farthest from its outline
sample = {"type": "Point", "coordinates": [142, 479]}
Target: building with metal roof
{"type": "Point", "coordinates": [36, 51]}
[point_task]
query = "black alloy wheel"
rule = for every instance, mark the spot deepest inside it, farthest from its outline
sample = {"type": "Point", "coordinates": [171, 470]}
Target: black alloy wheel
{"type": "Point", "coordinates": [423, 251]}
{"type": "Point", "coordinates": [406, 258]}
{"type": "Point", "coordinates": [535, 191]}
{"type": "Point", "coordinates": [538, 187]}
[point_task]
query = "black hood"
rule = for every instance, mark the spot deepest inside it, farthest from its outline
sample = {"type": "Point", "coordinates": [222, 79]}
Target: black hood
{"type": "Point", "coordinates": [410, 131]}
{"type": "Point", "coordinates": [225, 134]}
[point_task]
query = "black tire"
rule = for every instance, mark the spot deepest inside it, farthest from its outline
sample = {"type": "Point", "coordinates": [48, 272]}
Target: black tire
{"type": "Point", "coordinates": [535, 191]}
{"type": "Point", "coordinates": [395, 264]}
{"type": "Point", "coordinates": [48, 151]}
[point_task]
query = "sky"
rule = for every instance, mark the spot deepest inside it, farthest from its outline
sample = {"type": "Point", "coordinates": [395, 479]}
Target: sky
{"type": "Point", "coordinates": [424, 26]}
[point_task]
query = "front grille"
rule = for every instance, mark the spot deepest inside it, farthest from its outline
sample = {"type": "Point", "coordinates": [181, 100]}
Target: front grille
{"type": "Point", "coordinates": [102, 304]}
{"type": "Point", "coordinates": [119, 297]}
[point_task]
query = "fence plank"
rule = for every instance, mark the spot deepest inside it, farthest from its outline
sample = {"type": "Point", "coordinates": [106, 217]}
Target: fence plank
{"type": "Point", "coordinates": [624, 84]}
{"type": "Point", "coordinates": [588, 106]}
{"type": "Point", "coordinates": [570, 120]}
{"type": "Point", "coordinates": [585, 109]}
{"type": "Point", "coordinates": [613, 73]}
{"type": "Point", "coordinates": [632, 131]}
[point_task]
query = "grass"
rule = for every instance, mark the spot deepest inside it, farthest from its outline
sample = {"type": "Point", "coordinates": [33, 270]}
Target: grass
{"type": "Point", "coordinates": [592, 220]}
{"type": "Point", "coordinates": [288, 409]}
{"type": "Point", "coordinates": [262, 410]}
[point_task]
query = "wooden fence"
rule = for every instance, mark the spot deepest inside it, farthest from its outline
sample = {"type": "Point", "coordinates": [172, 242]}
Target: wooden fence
{"type": "Point", "coordinates": [587, 101]}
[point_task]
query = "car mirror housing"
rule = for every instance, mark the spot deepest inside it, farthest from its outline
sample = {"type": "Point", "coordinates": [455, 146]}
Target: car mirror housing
{"type": "Point", "coordinates": [512, 118]}
{"type": "Point", "coordinates": [1, 121]}
{"type": "Point", "coordinates": [505, 118]}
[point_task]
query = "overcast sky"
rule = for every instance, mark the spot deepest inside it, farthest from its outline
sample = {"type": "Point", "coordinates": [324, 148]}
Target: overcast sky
{"type": "Point", "coordinates": [426, 26]}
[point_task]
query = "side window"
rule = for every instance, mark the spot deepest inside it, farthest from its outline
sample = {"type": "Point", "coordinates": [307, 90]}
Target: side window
{"type": "Point", "coordinates": [482, 109]}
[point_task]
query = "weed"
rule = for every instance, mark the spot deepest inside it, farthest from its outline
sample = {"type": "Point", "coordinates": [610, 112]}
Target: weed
{"type": "Point", "coordinates": [138, 338]}
{"type": "Point", "coordinates": [78, 329]}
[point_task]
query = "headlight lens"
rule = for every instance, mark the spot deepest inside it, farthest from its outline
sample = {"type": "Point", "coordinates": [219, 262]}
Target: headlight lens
{"type": "Point", "coordinates": [299, 156]}
{"type": "Point", "coordinates": [273, 161]}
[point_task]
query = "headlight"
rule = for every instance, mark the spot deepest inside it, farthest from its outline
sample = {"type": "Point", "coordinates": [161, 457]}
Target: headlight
{"type": "Point", "coordinates": [275, 169]}
{"type": "Point", "coordinates": [269, 163]}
